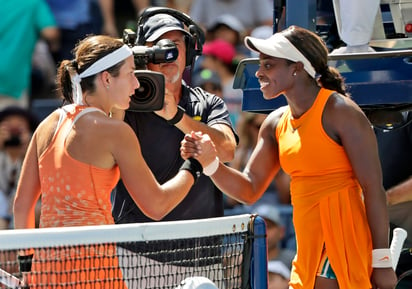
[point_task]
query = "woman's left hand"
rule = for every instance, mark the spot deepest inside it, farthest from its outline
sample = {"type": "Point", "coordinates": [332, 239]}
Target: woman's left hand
{"type": "Point", "coordinates": [383, 278]}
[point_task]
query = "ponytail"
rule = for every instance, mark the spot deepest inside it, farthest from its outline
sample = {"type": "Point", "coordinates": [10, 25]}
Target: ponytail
{"type": "Point", "coordinates": [333, 80]}
{"type": "Point", "coordinates": [64, 83]}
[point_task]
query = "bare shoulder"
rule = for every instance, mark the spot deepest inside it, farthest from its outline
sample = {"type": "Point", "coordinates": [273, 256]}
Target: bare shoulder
{"type": "Point", "coordinates": [341, 103]}
{"type": "Point", "coordinates": [112, 130]}
{"type": "Point", "coordinates": [341, 110]}
{"type": "Point", "coordinates": [342, 115]}
{"type": "Point", "coordinates": [100, 140]}
{"type": "Point", "coordinates": [268, 128]}
{"type": "Point", "coordinates": [273, 118]}
{"type": "Point", "coordinates": [116, 126]}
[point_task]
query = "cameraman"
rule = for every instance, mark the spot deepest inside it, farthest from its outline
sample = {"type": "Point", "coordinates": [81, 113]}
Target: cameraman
{"type": "Point", "coordinates": [16, 128]}
{"type": "Point", "coordinates": [161, 132]}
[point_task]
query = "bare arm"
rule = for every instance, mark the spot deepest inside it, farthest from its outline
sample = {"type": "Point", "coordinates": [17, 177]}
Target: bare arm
{"type": "Point", "coordinates": [52, 36]}
{"type": "Point", "coordinates": [351, 127]}
{"type": "Point", "coordinates": [28, 189]}
{"type": "Point", "coordinates": [249, 185]}
{"type": "Point", "coordinates": [400, 193]}
{"type": "Point", "coordinates": [221, 134]}
{"type": "Point", "coordinates": [109, 21]}
{"type": "Point", "coordinates": [139, 5]}
{"type": "Point", "coordinates": [153, 199]}
{"type": "Point", "coordinates": [345, 122]}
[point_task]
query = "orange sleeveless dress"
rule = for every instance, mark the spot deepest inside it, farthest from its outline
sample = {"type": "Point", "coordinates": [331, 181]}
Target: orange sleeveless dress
{"type": "Point", "coordinates": [328, 208]}
{"type": "Point", "coordinates": [75, 194]}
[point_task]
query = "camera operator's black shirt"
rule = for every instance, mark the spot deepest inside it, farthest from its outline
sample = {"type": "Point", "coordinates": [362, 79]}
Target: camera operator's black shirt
{"type": "Point", "coordinates": [160, 145]}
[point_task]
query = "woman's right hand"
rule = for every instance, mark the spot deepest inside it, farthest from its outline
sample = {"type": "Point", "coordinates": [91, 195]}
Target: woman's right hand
{"type": "Point", "coordinates": [199, 146]}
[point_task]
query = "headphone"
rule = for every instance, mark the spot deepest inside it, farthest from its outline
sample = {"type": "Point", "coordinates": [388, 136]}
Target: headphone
{"type": "Point", "coordinates": [194, 42]}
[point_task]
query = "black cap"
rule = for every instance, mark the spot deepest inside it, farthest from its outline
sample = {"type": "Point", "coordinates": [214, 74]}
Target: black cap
{"type": "Point", "coordinates": [159, 24]}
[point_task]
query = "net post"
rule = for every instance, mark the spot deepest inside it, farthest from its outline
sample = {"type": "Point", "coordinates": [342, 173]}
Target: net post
{"type": "Point", "coordinates": [259, 254]}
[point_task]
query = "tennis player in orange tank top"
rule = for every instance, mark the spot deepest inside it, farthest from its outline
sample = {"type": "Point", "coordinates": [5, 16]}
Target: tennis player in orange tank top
{"type": "Point", "coordinates": [75, 194]}
{"type": "Point", "coordinates": [326, 197]}
{"type": "Point", "coordinates": [323, 140]}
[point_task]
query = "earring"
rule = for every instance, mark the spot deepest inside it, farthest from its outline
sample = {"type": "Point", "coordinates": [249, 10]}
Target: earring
{"type": "Point", "coordinates": [294, 74]}
{"type": "Point", "coordinates": [107, 86]}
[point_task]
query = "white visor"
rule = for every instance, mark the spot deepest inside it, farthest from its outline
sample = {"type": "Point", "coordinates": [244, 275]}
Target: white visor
{"type": "Point", "coordinates": [279, 46]}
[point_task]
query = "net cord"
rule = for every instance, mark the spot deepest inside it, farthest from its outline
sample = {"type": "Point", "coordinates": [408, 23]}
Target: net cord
{"type": "Point", "coordinates": [71, 236]}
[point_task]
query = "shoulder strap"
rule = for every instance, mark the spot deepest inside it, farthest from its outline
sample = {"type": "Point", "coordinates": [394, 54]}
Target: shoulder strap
{"type": "Point", "coordinates": [84, 111]}
{"type": "Point", "coordinates": [79, 115]}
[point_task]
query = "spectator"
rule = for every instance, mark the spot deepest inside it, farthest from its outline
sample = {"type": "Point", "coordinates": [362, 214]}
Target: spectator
{"type": "Point", "coordinates": [251, 13]}
{"type": "Point", "coordinates": [208, 80]}
{"type": "Point", "coordinates": [43, 73]}
{"type": "Point", "coordinates": [21, 26]}
{"type": "Point", "coordinates": [248, 129]}
{"type": "Point", "coordinates": [78, 18]}
{"type": "Point", "coordinates": [228, 28]}
{"type": "Point", "coordinates": [278, 275]}
{"type": "Point", "coordinates": [325, 143]}
{"type": "Point", "coordinates": [218, 55]}
{"type": "Point", "coordinates": [275, 232]}
{"type": "Point", "coordinates": [16, 128]}
{"type": "Point", "coordinates": [181, 5]}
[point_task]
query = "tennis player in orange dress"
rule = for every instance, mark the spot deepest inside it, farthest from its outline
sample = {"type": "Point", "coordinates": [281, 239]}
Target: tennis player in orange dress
{"type": "Point", "coordinates": [325, 143]}
{"type": "Point", "coordinates": [75, 159]}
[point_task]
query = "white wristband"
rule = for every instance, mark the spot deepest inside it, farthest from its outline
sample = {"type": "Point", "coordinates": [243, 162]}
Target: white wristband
{"type": "Point", "coordinates": [211, 168]}
{"type": "Point", "coordinates": [381, 258]}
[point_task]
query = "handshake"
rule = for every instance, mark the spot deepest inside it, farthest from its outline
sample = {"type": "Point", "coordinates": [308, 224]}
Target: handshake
{"type": "Point", "coordinates": [199, 146]}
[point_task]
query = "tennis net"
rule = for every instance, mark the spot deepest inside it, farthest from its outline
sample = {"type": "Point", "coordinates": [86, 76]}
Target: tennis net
{"type": "Point", "coordinates": [230, 251]}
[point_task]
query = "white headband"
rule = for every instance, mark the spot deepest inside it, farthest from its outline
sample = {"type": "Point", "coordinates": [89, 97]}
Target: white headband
{"type": "Point", "coordinates": [279, 46]}
{"type": "Point", "coordinates": [100, 65]}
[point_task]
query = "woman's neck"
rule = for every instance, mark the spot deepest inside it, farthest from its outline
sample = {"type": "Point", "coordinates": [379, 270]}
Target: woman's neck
{"type": "Point", "coordinates": [301, 100]}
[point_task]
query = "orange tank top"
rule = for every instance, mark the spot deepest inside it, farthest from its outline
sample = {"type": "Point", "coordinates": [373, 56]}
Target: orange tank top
{"type": "Point", "coordinates": [73, 193]}
{"type": "Point", "coordinates": [313, 160]}
{"type": "Point", "coordinates": [328, 208]}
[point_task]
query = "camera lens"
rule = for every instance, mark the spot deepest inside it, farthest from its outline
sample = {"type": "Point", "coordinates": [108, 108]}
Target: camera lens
{"type": "Point", "coordinates": [150, 95]}
{"type": "Point", "coordinates": [144, 93]}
